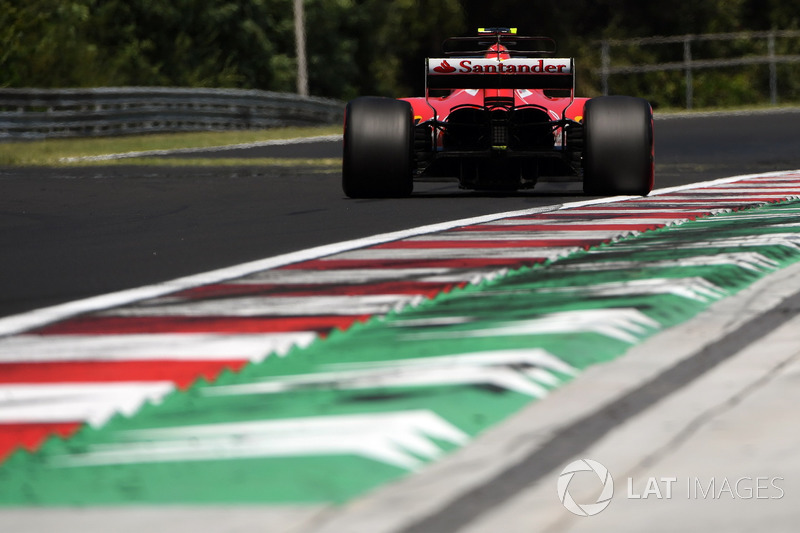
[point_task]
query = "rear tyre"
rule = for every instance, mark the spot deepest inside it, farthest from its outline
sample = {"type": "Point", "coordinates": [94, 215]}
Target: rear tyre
{"type": "Point", "coordinates": [618, 155]}
{"type": "Point", "coordinates": [378, 148]}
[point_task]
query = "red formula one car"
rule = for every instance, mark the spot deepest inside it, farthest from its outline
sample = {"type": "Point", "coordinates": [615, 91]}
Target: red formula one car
{"type": "Point", "coordinates": [499, 113]}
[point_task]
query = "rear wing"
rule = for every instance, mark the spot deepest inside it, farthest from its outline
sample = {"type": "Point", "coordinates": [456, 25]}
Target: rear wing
{"type": "Point", "coordinates": [492, 73]}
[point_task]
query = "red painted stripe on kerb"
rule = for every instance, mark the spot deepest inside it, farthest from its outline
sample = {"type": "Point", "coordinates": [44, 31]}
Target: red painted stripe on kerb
{"type": "Point", "coordinates": [31, 436]}
{"type": "Point", "coordinates": [400, 245]}
{"type": "Point", "coordinates": [344, 289]}
{"type": "Point", "coordinates": [544, 228]}
{"type": "Point", "coordinates": [181, 373]}
{"type": "Point", "coordinates": [616, 213]}
{"type": "Point", "coordinates": [111, 325]}
{"type": "Point", "coordinates": [727, 202]}
{"type": "Point", "coordinates": [461, 263]}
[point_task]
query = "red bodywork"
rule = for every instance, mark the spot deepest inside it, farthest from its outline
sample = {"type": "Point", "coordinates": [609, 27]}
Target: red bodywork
{"type": "Point", "coordinates": [501, 119]}
{"type": "Point", "coordinates": [558, 108]}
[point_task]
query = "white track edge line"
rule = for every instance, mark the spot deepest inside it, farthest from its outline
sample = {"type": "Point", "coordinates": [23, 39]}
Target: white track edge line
{"type": "Point", "coordinates": [15, 324]}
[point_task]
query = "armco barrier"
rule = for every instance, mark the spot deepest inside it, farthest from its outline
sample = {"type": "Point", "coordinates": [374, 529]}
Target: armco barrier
{"type": "Point", "coordinates": [43, 113]}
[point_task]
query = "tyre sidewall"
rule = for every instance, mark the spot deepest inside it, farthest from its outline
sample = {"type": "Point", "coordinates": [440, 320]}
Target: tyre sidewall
{"type": "Point", "coordinates": [378, 148]}
{"type": "Point", "coordinates": [619, 149]}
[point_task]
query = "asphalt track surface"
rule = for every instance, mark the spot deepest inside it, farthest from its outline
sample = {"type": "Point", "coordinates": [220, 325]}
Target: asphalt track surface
{"type": "Point", "coordinates": [71, 233]}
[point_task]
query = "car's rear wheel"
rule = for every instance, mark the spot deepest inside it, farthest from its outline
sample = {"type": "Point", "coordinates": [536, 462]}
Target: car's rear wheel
{"type": "Point", "coordinates": [378, 148]}
{"type": "Point", "coordinates": [618, 156]}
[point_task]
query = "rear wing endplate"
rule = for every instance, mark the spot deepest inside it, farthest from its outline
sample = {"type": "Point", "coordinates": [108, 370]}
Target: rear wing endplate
{"type": "Point", "coordinates": [491, 73]}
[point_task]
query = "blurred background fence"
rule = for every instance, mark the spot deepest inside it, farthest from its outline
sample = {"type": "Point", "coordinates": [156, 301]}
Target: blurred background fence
{"type": "Point", "coordinates": [730, 54]}
{"type": "Point", "coordinates": [44, 113]}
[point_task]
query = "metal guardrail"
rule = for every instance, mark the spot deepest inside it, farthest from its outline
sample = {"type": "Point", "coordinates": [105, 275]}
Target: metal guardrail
{"type": "Point", "coordinates": [689, 64]}
{"type": "Point", "coordinates": [44, 113]}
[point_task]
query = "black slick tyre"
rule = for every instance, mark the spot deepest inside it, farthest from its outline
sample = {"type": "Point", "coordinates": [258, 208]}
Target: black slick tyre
{"type": "Point", "coordinates": [378, 153]}
{"type": "Point", "coordinates": [618, 155]}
